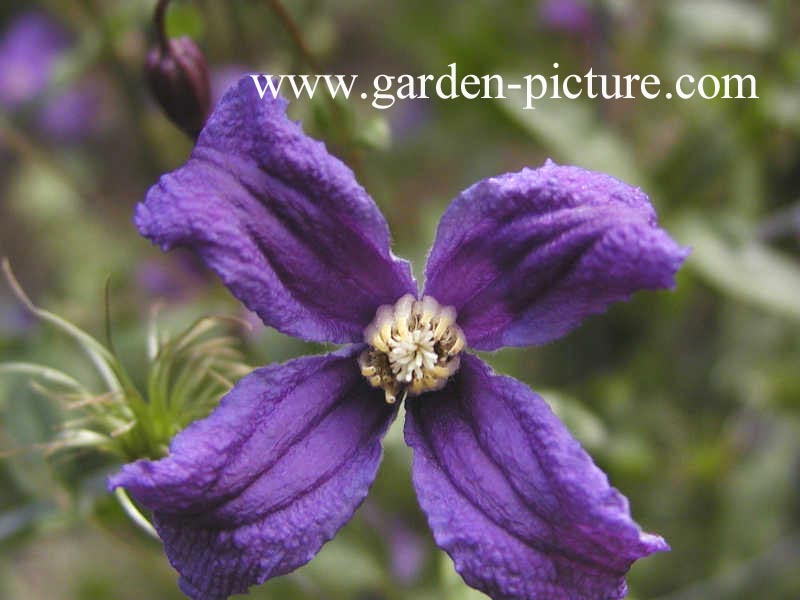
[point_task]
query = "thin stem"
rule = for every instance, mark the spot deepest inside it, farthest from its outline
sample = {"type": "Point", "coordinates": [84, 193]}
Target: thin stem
{"type": "Point", "coordinates": [128, 84]}
{"type": "Point", "coordinates": [46, 373]}
{"type": "Point", "coordinates": [107, 305]}
{"type": "Point", "coordinates": [153, 336]}
{"type": "Point", "coordinates": [134, 514]}
{"type": "Point", "coordinates": [98, 354]}
{"type": "Point", "coordinates": [294, 31]}
{"type": "Point", "coordinates": [159, 20]}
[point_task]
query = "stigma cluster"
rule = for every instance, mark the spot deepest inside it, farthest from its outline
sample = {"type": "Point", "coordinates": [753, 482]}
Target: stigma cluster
{"type": "Point", "coordinates": [414, 347]}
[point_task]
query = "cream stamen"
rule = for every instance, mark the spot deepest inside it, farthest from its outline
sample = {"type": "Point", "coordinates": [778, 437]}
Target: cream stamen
{"type": "Point", "coordinates": [414, 347]}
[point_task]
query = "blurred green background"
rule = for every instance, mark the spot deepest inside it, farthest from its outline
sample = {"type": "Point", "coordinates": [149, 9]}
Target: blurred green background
{"type": "Point", "coordinates": [689, 400]}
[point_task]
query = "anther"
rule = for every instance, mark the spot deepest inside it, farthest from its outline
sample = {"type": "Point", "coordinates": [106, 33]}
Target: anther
{"type": "Point", "coordinates": [414, 347]}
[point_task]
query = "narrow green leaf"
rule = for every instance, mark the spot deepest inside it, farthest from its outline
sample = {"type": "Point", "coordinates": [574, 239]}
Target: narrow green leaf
{"type": "Point", "coordinates": [746, 269]}
{"type": "Point", "coordinates": [573, 132]}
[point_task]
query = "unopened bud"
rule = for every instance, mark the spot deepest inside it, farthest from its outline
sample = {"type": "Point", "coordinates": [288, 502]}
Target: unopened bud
{"type": "Point", "coordinates": [179, 80]}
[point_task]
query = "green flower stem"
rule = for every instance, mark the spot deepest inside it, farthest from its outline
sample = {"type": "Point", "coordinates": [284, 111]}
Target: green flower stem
{"type": "Point", "coordinates": [134, 514]}
{"type": "Point", "coordinates": [294, 32]}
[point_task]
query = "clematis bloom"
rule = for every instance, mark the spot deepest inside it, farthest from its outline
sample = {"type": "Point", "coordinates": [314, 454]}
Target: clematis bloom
{"type": "Point", "coordinates": [255, 489]}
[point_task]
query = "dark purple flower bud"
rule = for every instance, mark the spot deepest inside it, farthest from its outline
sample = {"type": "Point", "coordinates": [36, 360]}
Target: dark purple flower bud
{"type": "Point", "coordinates": [179, 79]}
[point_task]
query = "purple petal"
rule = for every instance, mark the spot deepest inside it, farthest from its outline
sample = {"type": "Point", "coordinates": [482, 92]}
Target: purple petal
{"type": "Point", "coordinates": [256, 489]}
{"type": "Point", "coordinates": [513, 498]}
{"type": "Point", "coordinates": [524, 257]}
{"type": "Point", "coordinates": [284, 223]}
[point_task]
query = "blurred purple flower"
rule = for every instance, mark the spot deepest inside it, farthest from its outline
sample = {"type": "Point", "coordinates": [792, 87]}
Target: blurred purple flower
{"type": "Point", "coordinates": [407, 554]}
{"type": "Point", "coordinates": [568, 16]}
{"type": "Point", "coordinates": [407, 550]}
{"type": "Point", "coordinates": [178, 278]}
{"type": "Point", "coordinates": [72, 114]}
{"type": "Point", "coordinates": [15, 320]}
{"type": "Point", "coordinates": [409, 118]}
{"type": "Point", "coordinates": [782, 223]}
{"type": "Point", "coordinates": [30, 50]}
{"type": "Point", "coordinates": [254, 490]}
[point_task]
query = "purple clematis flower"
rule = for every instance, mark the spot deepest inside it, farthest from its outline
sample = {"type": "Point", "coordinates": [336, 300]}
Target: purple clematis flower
{"type": "Point", "coordinates": [254, 490]}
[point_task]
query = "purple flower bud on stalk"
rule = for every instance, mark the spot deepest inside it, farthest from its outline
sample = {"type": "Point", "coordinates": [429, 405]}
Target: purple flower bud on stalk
{"type": "Point", "coordinates": [177, 73]}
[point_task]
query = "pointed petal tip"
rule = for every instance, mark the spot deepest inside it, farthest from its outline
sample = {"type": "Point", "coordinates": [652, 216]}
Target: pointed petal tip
{"type": "Point", "coordinates": [654, 543]}
{"type": "Point", "coordinates": [137, 474]}
{"type": "Point", "coordinates": [679, 256]}
{"type": "Point", "coordinates": [548, 162]}
{"type": "Point", "coordinates": [126, 475]}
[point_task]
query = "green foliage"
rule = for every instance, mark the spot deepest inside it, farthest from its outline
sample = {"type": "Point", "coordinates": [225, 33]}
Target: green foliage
{"type": "Point", "coordinates": [187, 374]}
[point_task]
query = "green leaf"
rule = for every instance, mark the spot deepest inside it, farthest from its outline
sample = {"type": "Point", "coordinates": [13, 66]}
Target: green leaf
{"type": "Point", "coordinates": [452, 585]}
{"type": "Point", "coordinates": [573, 132]}
{"type": "Point", "coordinates": [721, 23]}
{"type": "Point", "coordinates": [583, 424]}
{"type": "Point", "coordinates": [374, 134]}
{"type": "Point", "coordinates": [746, 269]}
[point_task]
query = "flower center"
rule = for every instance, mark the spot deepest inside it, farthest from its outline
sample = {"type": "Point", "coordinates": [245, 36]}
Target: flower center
{"type": "Point", "coordinates": [414, 347]}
